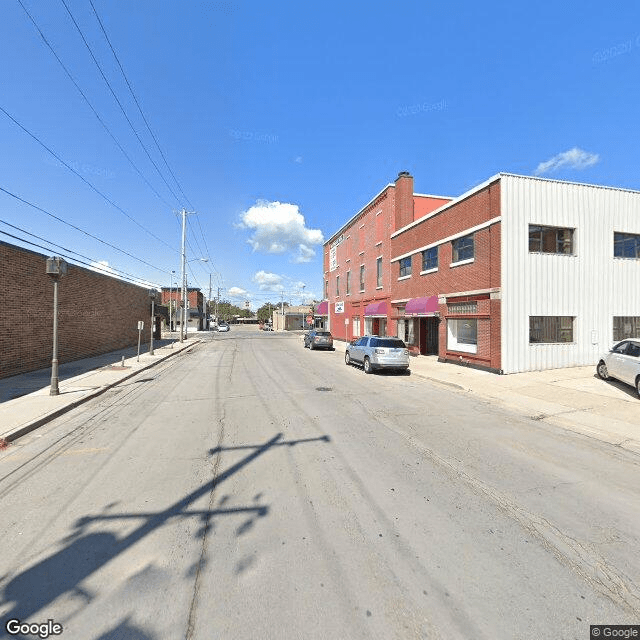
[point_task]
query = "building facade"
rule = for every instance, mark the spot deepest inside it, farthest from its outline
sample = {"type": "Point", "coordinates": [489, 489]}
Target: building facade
{"type": "Point", "coordinates": [517, 274]}
{"type": "Point", "coordinates": [172, 298]}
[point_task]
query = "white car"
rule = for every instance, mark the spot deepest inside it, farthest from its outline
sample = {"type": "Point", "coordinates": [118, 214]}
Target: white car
{"type": "Point", "coordinates": [223, 326]}
{"type": "Point", "coordinates": [622, 363]}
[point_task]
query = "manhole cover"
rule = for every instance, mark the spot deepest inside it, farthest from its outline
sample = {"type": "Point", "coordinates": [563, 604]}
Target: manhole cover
{"type": "Point", "coordinates": [324, 389]}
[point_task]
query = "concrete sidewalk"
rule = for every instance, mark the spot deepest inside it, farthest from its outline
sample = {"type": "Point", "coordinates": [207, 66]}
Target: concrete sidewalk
{"type": "Point", "coordinates": [574, 398]}
{"type": "Point", "coordinates": [25, 403]}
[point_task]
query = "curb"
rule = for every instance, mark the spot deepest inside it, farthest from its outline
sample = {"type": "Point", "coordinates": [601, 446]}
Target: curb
{"type": "Point", "coordinates": [38, 422]}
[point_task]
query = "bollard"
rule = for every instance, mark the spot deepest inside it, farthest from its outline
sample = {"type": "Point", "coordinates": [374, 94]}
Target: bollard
{"type": "Point", "coordinates": [123, 361]}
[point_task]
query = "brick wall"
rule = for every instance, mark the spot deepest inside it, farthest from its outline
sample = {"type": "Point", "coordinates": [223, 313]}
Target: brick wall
{"type": "Point", "coordinates": [96, 313]}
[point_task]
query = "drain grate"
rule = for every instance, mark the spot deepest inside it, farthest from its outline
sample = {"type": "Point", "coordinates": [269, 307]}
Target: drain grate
{"type": "Point", "coordinates": [324, 389]}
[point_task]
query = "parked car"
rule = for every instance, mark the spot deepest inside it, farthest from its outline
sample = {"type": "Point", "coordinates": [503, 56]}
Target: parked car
{"type": "Point", "coordinates": [317, 339]}
{"type": "Point", "coordinates": [267, 327]}
{"type": "Point", "coordinates": [223, 326]}
{"type": "Point", "coordinates": [622, 363]}
{"type": "Point", "coordinates": [377, 352]}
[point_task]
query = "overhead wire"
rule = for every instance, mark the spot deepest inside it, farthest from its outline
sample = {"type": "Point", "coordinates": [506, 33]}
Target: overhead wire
{"type": "Point", "coordinates": [126, 79]}
{"type": "Point", "coordinates": [87, 182]}
{"type": "Point", "coordinates": [113, 93]}
{"type": "Point", "coordinates": [73, 226]}
{"type": "Point", "coordinates": [95, 112]}
{"type": "Point", "coordinates": [59, 246]}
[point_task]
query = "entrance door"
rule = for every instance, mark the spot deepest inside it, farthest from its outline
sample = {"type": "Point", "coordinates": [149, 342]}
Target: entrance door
{"type": "Point", "coordinates": [422, 333]}
{"type": "Point", "coordinates": [375, 327]}
{"type": "Point", "coordinates": [431, 337]}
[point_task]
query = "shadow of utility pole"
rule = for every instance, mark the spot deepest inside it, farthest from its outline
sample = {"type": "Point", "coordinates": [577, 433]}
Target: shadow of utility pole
{"type": "Point", "coordinates": [64, 571]}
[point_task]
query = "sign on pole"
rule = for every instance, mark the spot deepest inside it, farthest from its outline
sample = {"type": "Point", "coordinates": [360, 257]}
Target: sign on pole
{"type": "Point", "coordinates": [140, 328]}
{"type": "Point", "coordinates": [309, 319]}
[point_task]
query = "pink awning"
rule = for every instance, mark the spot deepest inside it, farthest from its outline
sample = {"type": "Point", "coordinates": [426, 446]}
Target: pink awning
{"type": "Point", "coordinates": [422, 306]}
{"type": "Point", "coordinates": [378, 309]}
{"type": "Point", "coordinates": [322, 309]}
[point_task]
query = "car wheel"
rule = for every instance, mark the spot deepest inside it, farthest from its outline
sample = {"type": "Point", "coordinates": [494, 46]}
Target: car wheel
{"type": "Point", "coordinates": [347, 358]}
{"type": "Point", "coordinates": [638, 385]}
{"type": "Point", "coordinates": [367, 366]}
{"type": "Point", "coordinates": [602, 371]}
{"type": "Point", "coordinates": [311, 346]}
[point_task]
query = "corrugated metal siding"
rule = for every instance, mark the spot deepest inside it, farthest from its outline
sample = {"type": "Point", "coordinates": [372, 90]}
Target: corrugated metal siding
{"type": "Point", "coordinates": [592, 285]}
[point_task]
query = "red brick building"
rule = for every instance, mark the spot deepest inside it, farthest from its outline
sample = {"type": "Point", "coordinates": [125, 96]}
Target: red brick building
{"type": "Point", "coordinates": [172, 298]}
{"type": "Point", "coordinates": [358, 283]}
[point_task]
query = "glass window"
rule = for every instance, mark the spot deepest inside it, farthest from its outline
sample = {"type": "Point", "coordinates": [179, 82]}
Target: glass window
{"type": "Point", "coordinates": [326, 289]}
{"type": "Point", "coordinates": [633, 350]}
{"type": "Point", "coordinates": [391, 343]}
{"type": "Point", "coordinates": [463, 307]}
{"type": "Point", "coordinates": [337, 285]}
{"type": "Point", "coordinates": [405, 266]}
{"type": "Point", "coordinates": [379, 272]}
{"type": "Point", "coordinates": [462, 335]}
{"type": "Point", "coordinates": [626, 245]}
{"type": "Point", "coordinates": [626, 327]}
{"type": "Point", "coordinates": [550, 239]}
{"type": "Point", "coordinates": [549, 329]}
{"type": "Point", "coordinates": [362, 277]}
{"type": "Point", "coordinates": [463, 248]}
{"type": "Point", "coordinates": [430, 258]}
{"type": "Point", "coordinates": [348, 282]}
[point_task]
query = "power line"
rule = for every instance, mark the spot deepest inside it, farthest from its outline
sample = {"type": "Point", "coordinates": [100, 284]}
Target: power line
{"type": "Point", "coordinates": [108, 244]}
{"type": "Point", "coordinates": [87, 182]}
{"type": "Point", "coordinates": [124, 75]}
{"type": "Point", "coordinates": [97, 115]}
{"type": "Point", "coordinates": [113, 93]}
{"type": "Point", "coordinates": [54, 244]}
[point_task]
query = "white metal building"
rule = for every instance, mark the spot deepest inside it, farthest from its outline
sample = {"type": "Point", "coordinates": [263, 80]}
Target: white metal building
{"type": "Point", "coordinates": [570, 271]}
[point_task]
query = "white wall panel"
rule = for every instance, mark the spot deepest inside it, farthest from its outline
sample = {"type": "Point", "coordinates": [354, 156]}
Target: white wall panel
{"type": "Point", "coordinates": [591, 285]}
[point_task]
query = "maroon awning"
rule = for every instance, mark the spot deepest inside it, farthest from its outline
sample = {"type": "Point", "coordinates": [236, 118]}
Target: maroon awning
{"type": "Point", "coordinates": [376, 309]}
{"type": "Point", "coordinates": [422, 306]}
{"type": "Point", "coordinates": [322, 309]}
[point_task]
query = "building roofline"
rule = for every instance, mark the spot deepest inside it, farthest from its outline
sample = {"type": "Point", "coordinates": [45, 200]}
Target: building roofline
{"type": "Point", "coordinates": [430, 195]}
{"type": "Point", "coordinates": [464, 196]}
{"type": "Point", "coordinates": [580, 184]}
{"type": "Point", "coordinates": [346, 224]}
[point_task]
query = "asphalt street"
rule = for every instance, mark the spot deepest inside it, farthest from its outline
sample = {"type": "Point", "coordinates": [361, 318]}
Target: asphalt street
{"type": "Point", "coordinates": [250, 488]}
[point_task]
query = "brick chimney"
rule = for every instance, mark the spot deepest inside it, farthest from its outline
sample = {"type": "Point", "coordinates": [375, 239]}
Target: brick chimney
{"type": "Point", "coordinates": [404, 200]}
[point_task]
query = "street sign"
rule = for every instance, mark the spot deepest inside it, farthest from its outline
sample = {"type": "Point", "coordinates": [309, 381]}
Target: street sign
{"type": "Point", "coordinates": [309, 319]}
{"type": "Point", "coordinates": [140, 325]}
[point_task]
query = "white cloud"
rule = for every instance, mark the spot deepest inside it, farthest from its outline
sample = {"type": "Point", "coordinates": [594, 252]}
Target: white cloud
{"type": "Point", "coordinates": [237, 292]}
{"type": "Point", "coordinates": [267, 281]}
{"type": "Point", "coordinates": [574, 159]}
{"type": "Point", "coordinates": [279, 227]}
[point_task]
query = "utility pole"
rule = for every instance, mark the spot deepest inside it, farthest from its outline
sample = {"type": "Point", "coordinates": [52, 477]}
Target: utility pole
{"type": "Point", "coordinates": [184, 273]}
{"type": "Point", "coordinates": [207, 310]}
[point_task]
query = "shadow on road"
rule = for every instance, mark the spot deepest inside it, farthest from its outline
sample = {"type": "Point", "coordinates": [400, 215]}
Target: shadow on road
{"type": "Point", "coordinates": [86, 552]}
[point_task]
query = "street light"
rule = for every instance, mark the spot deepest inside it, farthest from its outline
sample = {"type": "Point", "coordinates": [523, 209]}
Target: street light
{"type": "Point", "coordinates": [56, 268]}
{"type": "Point", "coordinates": [152, 295]}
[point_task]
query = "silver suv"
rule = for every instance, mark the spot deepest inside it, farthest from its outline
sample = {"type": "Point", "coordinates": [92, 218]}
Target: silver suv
{"type": "Point", "coordinates": [377, 352]}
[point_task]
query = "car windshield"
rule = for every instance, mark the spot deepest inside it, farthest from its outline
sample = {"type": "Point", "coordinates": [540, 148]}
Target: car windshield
{"type": "Point", "coordinates": [393, 343]}
{"type": "Point", "coordinates": [322, 333]}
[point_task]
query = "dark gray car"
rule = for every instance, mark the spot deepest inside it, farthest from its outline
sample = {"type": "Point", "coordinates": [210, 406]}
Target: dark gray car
{"type": "Point", "coordinates": [377, 352]}
{"type": "Point", "coordinates": [316, 339]}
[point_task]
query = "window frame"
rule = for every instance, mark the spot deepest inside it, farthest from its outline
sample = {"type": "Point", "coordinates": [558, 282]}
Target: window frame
{"type": "Point", "coordinates": [453, 332]}
{"type": "Point", "coordinates": [619, 332]}
{"type": "Point", "coordinates": [348, 285]}
{"type": "Point", "coordinates": [542, 228]}
{"type": "Point", "coordinates": [405, 266]}
{"type": "Point", "coordinates": [434, 253]}
{"type": "Point", "coordinates": [554, 325]}
{"type": "Point", "coordinates": [379, 272]}
{"type": "Point", "coordinates": [362, 271]}
{"type": "Point", "coordinates": [456, 249]}
{"type": "Point", "coordinates": [625, 237]}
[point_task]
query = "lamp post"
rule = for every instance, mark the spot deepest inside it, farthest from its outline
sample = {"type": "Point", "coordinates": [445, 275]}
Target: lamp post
{"type": "Point", "coordinates": [152, 295]}
{"type": "Point", "coordinates": [56, 268]}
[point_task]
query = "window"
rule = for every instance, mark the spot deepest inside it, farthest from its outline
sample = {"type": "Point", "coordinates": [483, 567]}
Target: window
{"type": "Point", "coordinates": [356, 326]}
{"type": "Point", "coordinates": [626, 327]}
{"type": "Point", "coordinates": [348, 282]}
{"type": "Point", "coordinates": [361, 277]}
{"type": "Point", "coordinates": [389, 343]}
{"type": "Point", "coordinates": [462, 335]}
{"type": "Point", "coordinates": [326, 289]}
{"type": "Point", "coordinates": [463, 249]}
{"type": "Point", "coordinates": [550, 240]}
{"type": "Point", "coordinates": [430, 259]}
{"type": "Point", "coordinates": [405, 267]}
{"type": "Point", "coordinates": [379, 272]}
{"type": "Point", "coordinates": [626, 245]}
{"type": "Point", "coordinates": [337, 285]}
{"type": "Point", "coordinates": [549, 329]}
{"type": "Point", "coordinates": [463, 307]}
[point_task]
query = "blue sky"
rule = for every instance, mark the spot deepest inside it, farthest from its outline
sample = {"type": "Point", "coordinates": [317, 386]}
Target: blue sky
{"type": "Point", "coordinates": [280, 120]}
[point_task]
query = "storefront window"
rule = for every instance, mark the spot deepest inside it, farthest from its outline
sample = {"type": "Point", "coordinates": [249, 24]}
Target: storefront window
{"type": "Point", "coordinates": [462, 335]}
